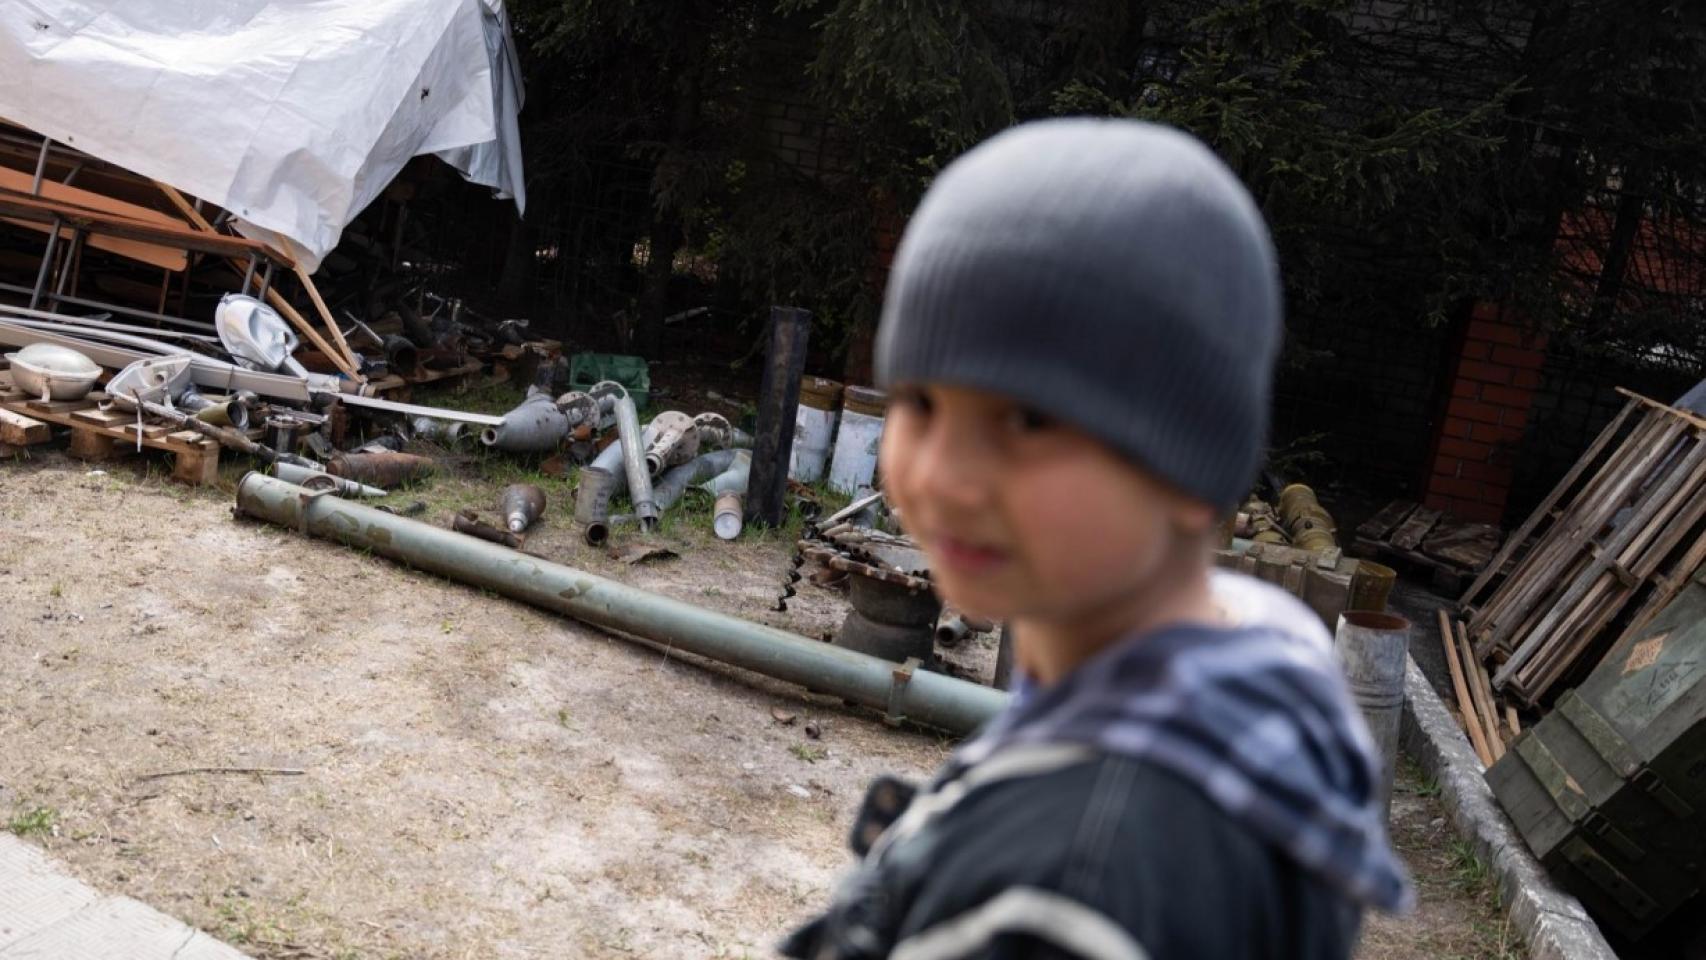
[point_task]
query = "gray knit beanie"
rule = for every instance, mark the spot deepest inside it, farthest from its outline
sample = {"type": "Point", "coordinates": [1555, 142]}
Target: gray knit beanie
{"type": "Point", "coordinates": [1112, 274]}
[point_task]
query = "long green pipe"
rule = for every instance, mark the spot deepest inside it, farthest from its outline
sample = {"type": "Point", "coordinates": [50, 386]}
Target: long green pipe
{"type": "Point", "coordinates": [917, 695]}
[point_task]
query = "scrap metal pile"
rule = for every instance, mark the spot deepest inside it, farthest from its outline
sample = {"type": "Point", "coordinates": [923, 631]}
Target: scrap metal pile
{"type": "Point", "coordinates": [1295, 547]}
{"type": "Point", "coordinates": [894, 614]}
{"type": "Point", "coordinates": [183, 271]}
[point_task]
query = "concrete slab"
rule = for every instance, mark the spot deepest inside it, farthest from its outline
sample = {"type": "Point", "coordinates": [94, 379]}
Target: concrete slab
{"type": "Point", "coordinates": [1552, 922]}
{"type": "Point", "coordinates": [46, 914]}
{"type": "Point", "coordinates": [33, 894]}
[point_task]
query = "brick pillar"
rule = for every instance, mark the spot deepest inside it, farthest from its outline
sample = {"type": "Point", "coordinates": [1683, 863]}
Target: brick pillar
{"type": "Point", "coordinates": [1492, 387]}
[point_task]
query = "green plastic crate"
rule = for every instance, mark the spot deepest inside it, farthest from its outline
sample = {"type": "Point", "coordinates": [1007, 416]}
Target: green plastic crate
{"type": "Point", "coordinates": [587, 369]}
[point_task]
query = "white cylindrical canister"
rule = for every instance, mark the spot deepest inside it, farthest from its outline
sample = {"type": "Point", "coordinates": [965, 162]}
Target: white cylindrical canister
{"type": "Point", "coordinates": [855, 460]}
{"type": "Point", "coordinates": [730, 515]}
{"type": "Point", "coordinates": [814, 428]}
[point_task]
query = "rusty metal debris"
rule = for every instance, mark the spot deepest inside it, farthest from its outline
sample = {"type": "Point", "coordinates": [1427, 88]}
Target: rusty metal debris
{"type": "Point", "coordinates": [388, 469]}
{"type": "Point", "coordinates": [469, 522]}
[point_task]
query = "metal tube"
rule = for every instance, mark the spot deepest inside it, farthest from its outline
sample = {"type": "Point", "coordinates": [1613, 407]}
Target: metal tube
{"type": "Point", "coordinates": [41, 166]}
{"type": "Point", "coordinates": [1373, 648]}
{"type": "Point", "coordinates": [634, 461]}
{"type": "Point", "coordinates": [46, 264]}
{"type": "Point", "coordinates": [65, 264]}
{"type": "Point", "coordinates": [600, 481]}
{"type": "Point", "coordinates": [674, 483]}
{"type": "Point", "coordinates": [951, 631]}
{"type": "Point", "coordinates": [109, 307]}
{"type": "Point", "coordinates": [928, 698]}
{"type": "Point", "coordinates": [300, 475]}
{"type": "Point", "coordinates": [735, 479]}
{"type": "Point", "coordinates": [60, 321]}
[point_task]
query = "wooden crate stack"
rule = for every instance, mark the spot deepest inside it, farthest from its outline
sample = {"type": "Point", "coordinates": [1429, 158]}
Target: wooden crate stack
{"type": "Point", "coordinates": [1608, 548]}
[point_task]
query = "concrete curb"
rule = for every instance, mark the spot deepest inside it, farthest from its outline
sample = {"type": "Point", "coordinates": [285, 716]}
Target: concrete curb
{"type": "Point", "coordinates": [1551, 921]}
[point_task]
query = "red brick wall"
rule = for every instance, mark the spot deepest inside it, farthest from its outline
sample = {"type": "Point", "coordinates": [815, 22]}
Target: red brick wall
{"type": "Point", "coordinates": [1493, 383]}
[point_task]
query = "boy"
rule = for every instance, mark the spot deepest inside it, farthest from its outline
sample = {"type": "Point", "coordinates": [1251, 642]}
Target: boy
{"type": "Point", "coordinates": [1078, 339]}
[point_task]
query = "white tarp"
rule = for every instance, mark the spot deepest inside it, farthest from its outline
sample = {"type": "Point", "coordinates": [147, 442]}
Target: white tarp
{"type": "Point", "coordinates": [291, 114]}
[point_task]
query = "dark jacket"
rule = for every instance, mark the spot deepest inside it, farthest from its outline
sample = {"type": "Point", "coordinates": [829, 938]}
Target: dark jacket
{"type": "Point", "coordinates": [1064, 853]}
{"type": "Point", "coordinates": [1196, 792]}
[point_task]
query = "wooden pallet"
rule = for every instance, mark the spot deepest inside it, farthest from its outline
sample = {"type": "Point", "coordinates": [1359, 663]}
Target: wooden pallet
{"type": "Point", "coordinates": [1410, 536]}
{"type": "Point", "coordinates": [400, 388]}
{"type": "Point", "coordinates": [99, 435]}
{"type": "Point", "coordinates": [1613, 543]}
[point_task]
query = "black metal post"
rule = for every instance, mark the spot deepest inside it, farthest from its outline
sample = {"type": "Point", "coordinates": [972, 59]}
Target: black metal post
{"type": "Point", "coordinates": [778, 401]}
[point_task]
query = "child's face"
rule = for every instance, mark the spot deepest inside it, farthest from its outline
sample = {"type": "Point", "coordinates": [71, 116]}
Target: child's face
{"type": "Point", "coordinates": [1025, 518]}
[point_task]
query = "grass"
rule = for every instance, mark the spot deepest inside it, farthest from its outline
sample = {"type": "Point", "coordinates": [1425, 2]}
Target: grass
{"type": "Point", "coordinates": [37, 821]}
{"type": "Point", "coordinates": [1469, 873]}
{"type": "Point", "coordinates": [808, 753]}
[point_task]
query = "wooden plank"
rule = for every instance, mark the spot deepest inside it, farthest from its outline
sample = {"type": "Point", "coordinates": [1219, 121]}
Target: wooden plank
{"type": "Point", "coordinates": [56, 406]}
{"type": "Point", "coordinates": [101, 418]}
{"type": "Point", "coordinates": [1410, 533]}
{"type": "Point", "coordinates": [158, 255]}
{"type": "Point", "coordinates": [1545, 509]}
{"type": "Point", "coordinates": [1389, 517]}
{"type": "Point", "coordinates": [20, 431]}
{"type": "Point", "coordinates": [325, 314]}
{"type": "Point", "coordinates": [22, 206]}
{"type": "Point", "coordinates": [1511, 720]}
{"type": "Point", "coordinates": [190, 438]}
{"type": "Point", "coordinates": [1460, 688]}
{"type": "Point", "coordinates": [1649, 402]}
{"type": "Point", "coordinates": [1466, 545]}
{"type": "Point", "coordinates": [1482, 693]}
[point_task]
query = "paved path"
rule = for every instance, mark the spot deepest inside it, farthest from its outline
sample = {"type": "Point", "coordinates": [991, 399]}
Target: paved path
{"type": "Point", "coordinates": [46, 914]}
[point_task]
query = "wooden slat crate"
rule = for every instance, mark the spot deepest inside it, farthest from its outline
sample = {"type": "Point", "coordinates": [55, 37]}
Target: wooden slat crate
{"type": "Point", "coordinates": [1614, 542]}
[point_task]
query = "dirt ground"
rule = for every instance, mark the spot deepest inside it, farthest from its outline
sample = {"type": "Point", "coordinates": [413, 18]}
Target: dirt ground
{"type": "Point", "coordinates": [1457, 913]}
{"type": "Point", "coordinates": [477, 778]}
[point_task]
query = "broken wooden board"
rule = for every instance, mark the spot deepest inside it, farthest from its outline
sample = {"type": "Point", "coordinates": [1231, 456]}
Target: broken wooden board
{"type": "Point", "coordinates": [1384, 522]}
{"type": "Point", "coordinates": [1468, 545]}
{"type": "Point", "coordinates": [1411, 532]}
{"type": "Point", "coordinates": [20, 431]}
